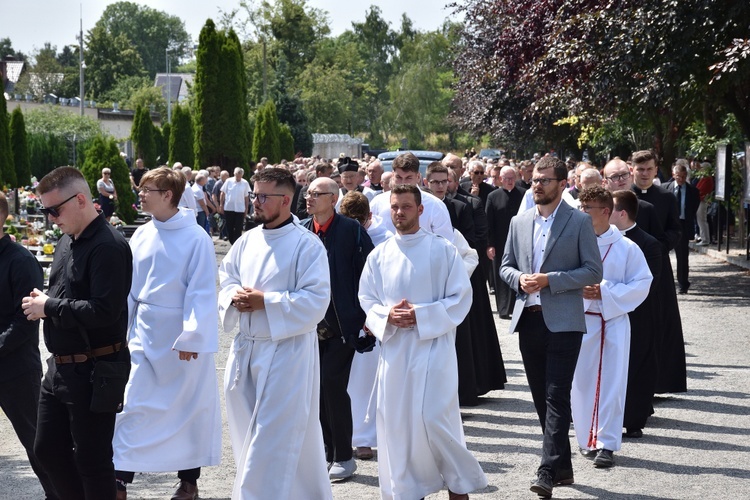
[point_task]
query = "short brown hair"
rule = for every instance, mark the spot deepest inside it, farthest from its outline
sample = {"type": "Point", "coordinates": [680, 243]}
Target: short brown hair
{"type": "Point", "coordinates": [166, 178]}
{"type": "Point", "coordinates": [643, 156]}
{"type": "Point", "coordinates": [406, 162]}
{"type": "Point", "coordinates": [436, 168]}
{"type": "Point", "coordinates": [556, 164]}
{"type": "Point", "coordinates": [625, 199]}
{"type": "Point", "coordinates": [356, 206]}
{"type": "Point", "coordinates": [408, 188]}
{"type": "Point", "coordinates": [60, 178]}
{"type": "Point", "coordinates": [597, 194]}
{"type": "Point", "coordinates": [282, 178]}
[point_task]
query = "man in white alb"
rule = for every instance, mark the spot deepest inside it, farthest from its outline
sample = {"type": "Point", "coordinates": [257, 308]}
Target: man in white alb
{"type": "Point", "coordinates": [601, 375]}
{"type": "Point", "coordinates": [416, 290]}
{"type": "Point", "coordinates": [171, 419]}
{"type": "Point", "coordinates": [276, 284]}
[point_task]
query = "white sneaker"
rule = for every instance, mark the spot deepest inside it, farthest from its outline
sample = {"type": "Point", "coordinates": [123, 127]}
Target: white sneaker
{"type": "Point", "coordinates": [342, 470]}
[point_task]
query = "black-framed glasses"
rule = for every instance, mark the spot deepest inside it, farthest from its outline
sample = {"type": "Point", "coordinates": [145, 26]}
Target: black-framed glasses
{"type": "Point", "coordinates": [618, 177]}
{"type": "Point", "coordinates": [314, 195]}
{"type": "Point", "coordinates": [436, 182]}
{"type": "Point", "coordinates": [262, 197]}
{"type": "Point", "coordinates": [54, 210]}
{"type": "Point", "coordinates": [588, 208]}
{"type": "Point", "coordinates": [544, 181]}
{"type": "Point", "coordinates": [146, 190]}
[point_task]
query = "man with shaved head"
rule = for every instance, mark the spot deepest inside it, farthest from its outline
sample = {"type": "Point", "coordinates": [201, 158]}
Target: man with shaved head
{"type": "Point", "coordinates": [348, 245]}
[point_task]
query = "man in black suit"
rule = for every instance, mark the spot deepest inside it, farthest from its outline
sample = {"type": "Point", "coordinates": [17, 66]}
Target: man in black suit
{"type": "Point", "coordinates": [475, 184]}
{"type": "Point", "coordinates": [502, 205]}
{"type": "Point", "coordinates": [348, 245]}
{"type": "Point", "coordinates": [644, 320]}
{"type": "Point", "coordinates": [526, 170]}
{"type": "Point", "coordinates": [688, 199]}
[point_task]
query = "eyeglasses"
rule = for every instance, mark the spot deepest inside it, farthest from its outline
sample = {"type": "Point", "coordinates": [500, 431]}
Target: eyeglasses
{"type": "Point", "coordinates": [477, 173]}
{"type": "Point", "coordinates": [314, 195]}
{"type": "Point", "coordinates": [146, 190]}
{"type": "Point", "coordinates": [544, 181]}
{"type": "Point", "coordinates": [262, 197]}
{"type": "Point", "coordinates": [436, 182]}
{"type": "Point", "coordinates": [588, 208]}
{"type": "Point", "coordinates": [54, 210]}
{"type": "Point", "coordinates": [618, 177]}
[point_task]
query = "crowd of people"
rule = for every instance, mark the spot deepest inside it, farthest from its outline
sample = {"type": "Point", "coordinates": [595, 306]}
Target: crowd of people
{"type": "Point", "coordinates": [362, 304]}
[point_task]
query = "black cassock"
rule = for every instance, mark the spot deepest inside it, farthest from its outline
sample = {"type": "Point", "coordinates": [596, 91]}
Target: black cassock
{"type": "Point", "coordinates": [644, 324]}
{"type": "Point", "coordinates": [501, 206]}
{"type": "Point", "coordinates": [481, 367]}
{"type": "Point", "coordinates": [670, 343]}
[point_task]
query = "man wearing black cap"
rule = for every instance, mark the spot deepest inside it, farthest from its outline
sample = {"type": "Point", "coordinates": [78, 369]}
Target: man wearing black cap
{"type": "Point", "coordinates": [349, 170]}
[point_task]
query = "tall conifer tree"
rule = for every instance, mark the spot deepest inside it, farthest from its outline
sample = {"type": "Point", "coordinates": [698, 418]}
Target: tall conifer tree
{"type": "Point", "coordinates": [20, 148]}
{"type": "Point", "coordinates": [7, 168]}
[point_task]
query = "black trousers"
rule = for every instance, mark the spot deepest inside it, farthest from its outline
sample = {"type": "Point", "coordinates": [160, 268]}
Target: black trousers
{"type": "Point", "coordinates": [235, 221]}
{"type": "Point", "coordinates": [682, 253]}
{"type": "Point", "coordinates": [335, 405]}
{"type": "Point", "coordinates": [550, 362]}
{"type": "Point", "coordinates": [74, 444]}
{"type": "Point", "coordinates": [189, 475]}
{"type": "Point", "coordinates": [19, 399]}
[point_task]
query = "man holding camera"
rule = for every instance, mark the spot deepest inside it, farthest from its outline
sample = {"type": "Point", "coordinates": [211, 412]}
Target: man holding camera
{"type": "Point", "coordinates": [348, 246]}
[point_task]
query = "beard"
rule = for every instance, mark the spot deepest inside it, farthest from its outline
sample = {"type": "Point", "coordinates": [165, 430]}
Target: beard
{"type": "Point", "coordinates": [264, 217]}
{"type": "Point", "coordinates": [543, 198]}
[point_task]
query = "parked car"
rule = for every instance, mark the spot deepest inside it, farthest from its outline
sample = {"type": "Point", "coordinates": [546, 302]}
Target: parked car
{"type": "Point", "coordinates": [425, 158]}
{"type": "Point", "coordinates": [492, 154]}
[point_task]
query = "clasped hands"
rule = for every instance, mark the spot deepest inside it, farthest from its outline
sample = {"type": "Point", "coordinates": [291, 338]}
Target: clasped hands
{"type": "Point", "coordinates": [592, 292]}
{"type": "Point", "coordinates": [532, 283]}
{"type": "Point", "coordinates": [248, 299]}
{"type": "Point", "coordinates": [33, 305]}
{"type": "Point", "coordinates": [403, 315]}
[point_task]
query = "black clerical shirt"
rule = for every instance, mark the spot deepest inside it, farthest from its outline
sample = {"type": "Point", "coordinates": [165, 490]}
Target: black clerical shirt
{"type": "Point", "coordinates": [88, 289]}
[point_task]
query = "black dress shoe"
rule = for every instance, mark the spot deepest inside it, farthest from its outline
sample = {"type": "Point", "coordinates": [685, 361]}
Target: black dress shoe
{"type": "Point", "coordinates": [633, 433]}
{"type": "Point", "coordinates": [564, 478]}
{"type": "Point", "coordinates": [542, 485]}
{"type": "Point", "coordinates": [604, 459]}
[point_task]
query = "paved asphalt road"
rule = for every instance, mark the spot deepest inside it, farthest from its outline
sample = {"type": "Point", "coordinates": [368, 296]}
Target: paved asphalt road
{"type": "Point", "coordinates": [695, 446]}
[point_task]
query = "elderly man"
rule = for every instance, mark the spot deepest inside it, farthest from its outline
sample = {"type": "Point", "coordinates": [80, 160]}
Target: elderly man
{"type": "Point", "coordinates": [475, 184]}
{"type": "Point", "coordinates": [235, 203]}
{"type": "Point", "coordinates": [578, 185]}
{"type": "Point", "coordinates": [86, 319]}
{"type": "Point", "coordinates": [201, 203]}
{"type": "Point", "coordinates": [502, 205]}
{"type": "Point", "coordinates": [347, 245]}
{"type": "Point", "coordinates": [688, 199]}
{"type": "Point", "coordinates": [420, 438]}
{"type": "Point", "coordinates": [275, 284]}
{"type": "Point", "coordinates": [551, 254]}
{"type": "Point", "coordinates": [374, 175]}
{"type": "Point", "coordinates": [188, 197]}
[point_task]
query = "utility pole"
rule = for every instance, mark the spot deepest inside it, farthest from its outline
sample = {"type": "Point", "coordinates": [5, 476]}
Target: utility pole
{"type": "Point", "coordinates": [169, 86]}
{"type": "Point", "coordinates": [80, 62]}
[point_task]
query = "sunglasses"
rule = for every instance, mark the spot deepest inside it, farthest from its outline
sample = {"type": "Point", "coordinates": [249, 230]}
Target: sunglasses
{"type": "Point", "coordinates": [54, 210]}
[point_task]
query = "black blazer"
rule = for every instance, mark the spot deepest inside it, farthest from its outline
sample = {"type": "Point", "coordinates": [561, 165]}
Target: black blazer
{"type": "Point", "coordinates": [348, 246]}
{"type": "Point", "coordinates": [501, 206]}
{"type": "Point", "coordinates": [692, 200]}
{"type": "Point", "coordinates": [484, 189]}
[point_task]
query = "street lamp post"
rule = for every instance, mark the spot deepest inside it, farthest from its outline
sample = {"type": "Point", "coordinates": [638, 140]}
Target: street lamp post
{"type": "Point", "coordinates": [169, 86]}
{"type": "Point", "coordinates": [81, 65]}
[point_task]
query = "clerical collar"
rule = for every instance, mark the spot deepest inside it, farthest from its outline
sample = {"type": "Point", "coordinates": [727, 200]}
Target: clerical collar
{"type": "Point", "coordinates": [285, 223]}
{"type": "Point", "coordinates": [318, 229]}
{"type": "Point", "coordinates": [623, 231]}
{"type": "Point", "coordinates": [376, 187]}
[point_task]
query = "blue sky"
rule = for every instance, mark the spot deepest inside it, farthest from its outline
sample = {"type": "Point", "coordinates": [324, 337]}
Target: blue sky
{"type": "Point", "coordinates": [30, 24]}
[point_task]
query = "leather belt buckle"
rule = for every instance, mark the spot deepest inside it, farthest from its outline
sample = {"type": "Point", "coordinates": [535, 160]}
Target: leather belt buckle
{"type": "Point", "coordinates": [534, 309]}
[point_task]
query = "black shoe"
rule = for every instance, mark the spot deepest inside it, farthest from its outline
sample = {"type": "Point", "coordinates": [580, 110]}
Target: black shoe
{"type": "Point", "coordinates": [542, 485]}
{"type": "Point", "coordinates": [590, 454]}
{"type": "Point", "coordinates": [633, 433]}
{"type": "Point", "coordinates": [564, 478]}
{"type": "Point", "coordinates": [604, 459]}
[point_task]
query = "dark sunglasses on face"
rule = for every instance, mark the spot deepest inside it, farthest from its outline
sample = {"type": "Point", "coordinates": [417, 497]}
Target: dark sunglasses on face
{"type": "Point", "coordinates": [54, 210]}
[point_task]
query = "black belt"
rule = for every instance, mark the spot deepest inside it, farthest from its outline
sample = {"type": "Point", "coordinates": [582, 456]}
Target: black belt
{"type": "Point", "coordinates": [85, 356]}
{"type": "Point", "coordinates": [533, 309]}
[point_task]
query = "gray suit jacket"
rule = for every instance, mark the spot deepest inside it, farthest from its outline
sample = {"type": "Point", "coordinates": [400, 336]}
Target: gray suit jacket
{"type": "Point", "coordinates": [571, 261]}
